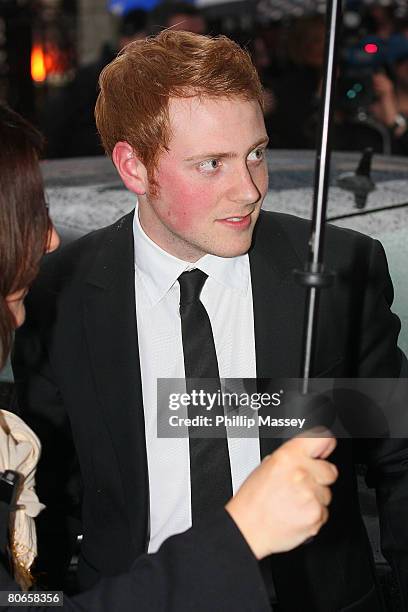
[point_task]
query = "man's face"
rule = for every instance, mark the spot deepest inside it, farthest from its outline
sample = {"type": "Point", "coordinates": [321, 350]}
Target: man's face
{"type": "Point", "coordinates": [211, 182]}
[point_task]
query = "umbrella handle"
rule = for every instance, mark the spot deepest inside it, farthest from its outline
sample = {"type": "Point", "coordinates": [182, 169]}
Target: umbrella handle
{"type": "Point", "coordinates": [314, 277]}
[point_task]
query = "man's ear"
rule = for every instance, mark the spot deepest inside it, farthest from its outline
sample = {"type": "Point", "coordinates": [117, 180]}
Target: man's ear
{"type": "Point", "coordinates": [131, 169]}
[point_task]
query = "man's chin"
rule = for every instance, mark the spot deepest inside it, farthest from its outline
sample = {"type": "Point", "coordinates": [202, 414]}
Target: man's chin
{"type": "Point", "coordinates": [233, 250]}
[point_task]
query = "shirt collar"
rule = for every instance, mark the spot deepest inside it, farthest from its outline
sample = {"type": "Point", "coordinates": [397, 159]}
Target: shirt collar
{"type": "Point", "coordinates": [159, 270]}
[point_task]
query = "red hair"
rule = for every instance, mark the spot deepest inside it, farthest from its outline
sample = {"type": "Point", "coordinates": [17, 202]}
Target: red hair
{"type": "Point", "coordinates": [135, 88]}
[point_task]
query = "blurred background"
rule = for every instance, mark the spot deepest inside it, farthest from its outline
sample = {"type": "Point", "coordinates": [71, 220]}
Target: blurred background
{"type": "Point", "coordinates": [51, 53]}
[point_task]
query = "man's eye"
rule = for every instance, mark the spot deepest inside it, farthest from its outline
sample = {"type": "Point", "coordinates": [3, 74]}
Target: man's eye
{"type": "Point", "coordinates": [257, 155]}
{"type": "Point", "coordinates": [209, 165]}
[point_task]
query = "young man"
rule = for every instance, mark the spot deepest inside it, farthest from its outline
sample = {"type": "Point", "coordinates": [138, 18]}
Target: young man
{"type": "Point", "coordinates": [181, 116]}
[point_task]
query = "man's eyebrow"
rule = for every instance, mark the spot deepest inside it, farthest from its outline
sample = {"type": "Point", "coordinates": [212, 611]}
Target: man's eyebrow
{"type": "Point", "coordinates": [225, 155]}
{"type": "Point", "coordinates": [263, 141]}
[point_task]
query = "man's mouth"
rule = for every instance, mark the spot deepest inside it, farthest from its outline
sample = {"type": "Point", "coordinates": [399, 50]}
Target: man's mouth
{"type": "Point", "coordinates": [237, 221]}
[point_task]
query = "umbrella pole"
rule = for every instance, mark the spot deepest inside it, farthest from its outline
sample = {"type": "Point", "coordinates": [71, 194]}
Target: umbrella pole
{"type": "Point", "coordinates": [314, 277]}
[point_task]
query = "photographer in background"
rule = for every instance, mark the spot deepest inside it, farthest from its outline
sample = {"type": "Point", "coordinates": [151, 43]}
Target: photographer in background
{"type": "Point", "coordinates": [391, 105]}
{"type": "Point", "coordinates": [372, 96]}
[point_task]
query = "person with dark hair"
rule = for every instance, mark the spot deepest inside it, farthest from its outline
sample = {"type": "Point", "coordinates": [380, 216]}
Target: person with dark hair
{"type": "Point", "coordinates": [209, 566]}
{"type": "Point", "coordinates": [197, 283]}
{"type": "Point", "coordinates": [68, 119]}
{"type": "Point", "coordinates": [26, 233]}
{"type": "Point", "coordinates": [293, 122]}
{"type": "Point", "coordinates": [25, 228]}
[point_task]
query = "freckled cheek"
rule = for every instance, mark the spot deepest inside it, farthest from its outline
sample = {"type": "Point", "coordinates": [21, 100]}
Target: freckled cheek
{"type": "Point", "coordinates": [187, 204]}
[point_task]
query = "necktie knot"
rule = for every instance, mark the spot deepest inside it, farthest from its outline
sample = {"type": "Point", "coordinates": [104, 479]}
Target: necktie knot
{"type": "Point", "coordinates": [191, 284]}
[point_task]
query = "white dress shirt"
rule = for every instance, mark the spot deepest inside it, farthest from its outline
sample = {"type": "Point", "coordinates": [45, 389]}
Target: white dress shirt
{"type": "Point", "coordinates": [227, 297]}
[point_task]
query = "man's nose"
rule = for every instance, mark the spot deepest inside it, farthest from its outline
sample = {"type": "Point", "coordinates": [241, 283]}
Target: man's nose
{"type": "Point", "coordinates": [244, 190]}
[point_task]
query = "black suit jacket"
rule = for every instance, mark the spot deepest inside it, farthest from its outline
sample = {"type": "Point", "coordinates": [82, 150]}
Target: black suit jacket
{"type": "Point", "coordinates": [77, 368]}
{"type": "Point", "coordinates": [206, 568]}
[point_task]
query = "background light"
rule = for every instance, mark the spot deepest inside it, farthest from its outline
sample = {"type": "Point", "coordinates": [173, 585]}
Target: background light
{"type": "Point", "coordinates": [370, 48]}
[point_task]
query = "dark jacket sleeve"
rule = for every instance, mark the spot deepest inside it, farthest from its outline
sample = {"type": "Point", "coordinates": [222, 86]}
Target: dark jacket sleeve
{"type": "Point", "coordinates": [386, 459]}
{"type": "Point", "coordinates": [58, 481]}
{"type": "Point", "coordinates": [203, 569]}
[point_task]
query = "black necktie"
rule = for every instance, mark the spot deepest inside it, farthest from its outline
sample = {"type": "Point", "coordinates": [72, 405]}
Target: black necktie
{"type": "Point", "coordinates": [209, 459]}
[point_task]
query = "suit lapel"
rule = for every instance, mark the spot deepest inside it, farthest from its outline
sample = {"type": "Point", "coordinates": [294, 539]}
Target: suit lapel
{"type": "Point", "coordinates": [278, 308]}
{"type": "Point", "coordinates": [111, 333]}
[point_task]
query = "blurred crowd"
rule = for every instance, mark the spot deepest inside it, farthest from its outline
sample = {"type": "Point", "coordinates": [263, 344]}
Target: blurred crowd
{"type": "Point", "coordinates": [372, 81]}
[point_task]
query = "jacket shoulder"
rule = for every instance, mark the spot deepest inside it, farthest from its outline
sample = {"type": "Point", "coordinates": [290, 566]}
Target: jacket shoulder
{"type": "Point", "coordinates": [298, 227]}
{"type": "Point", "coordinates": [75, 259]}
{"type": "Point", "coordinates": [339, 241]}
